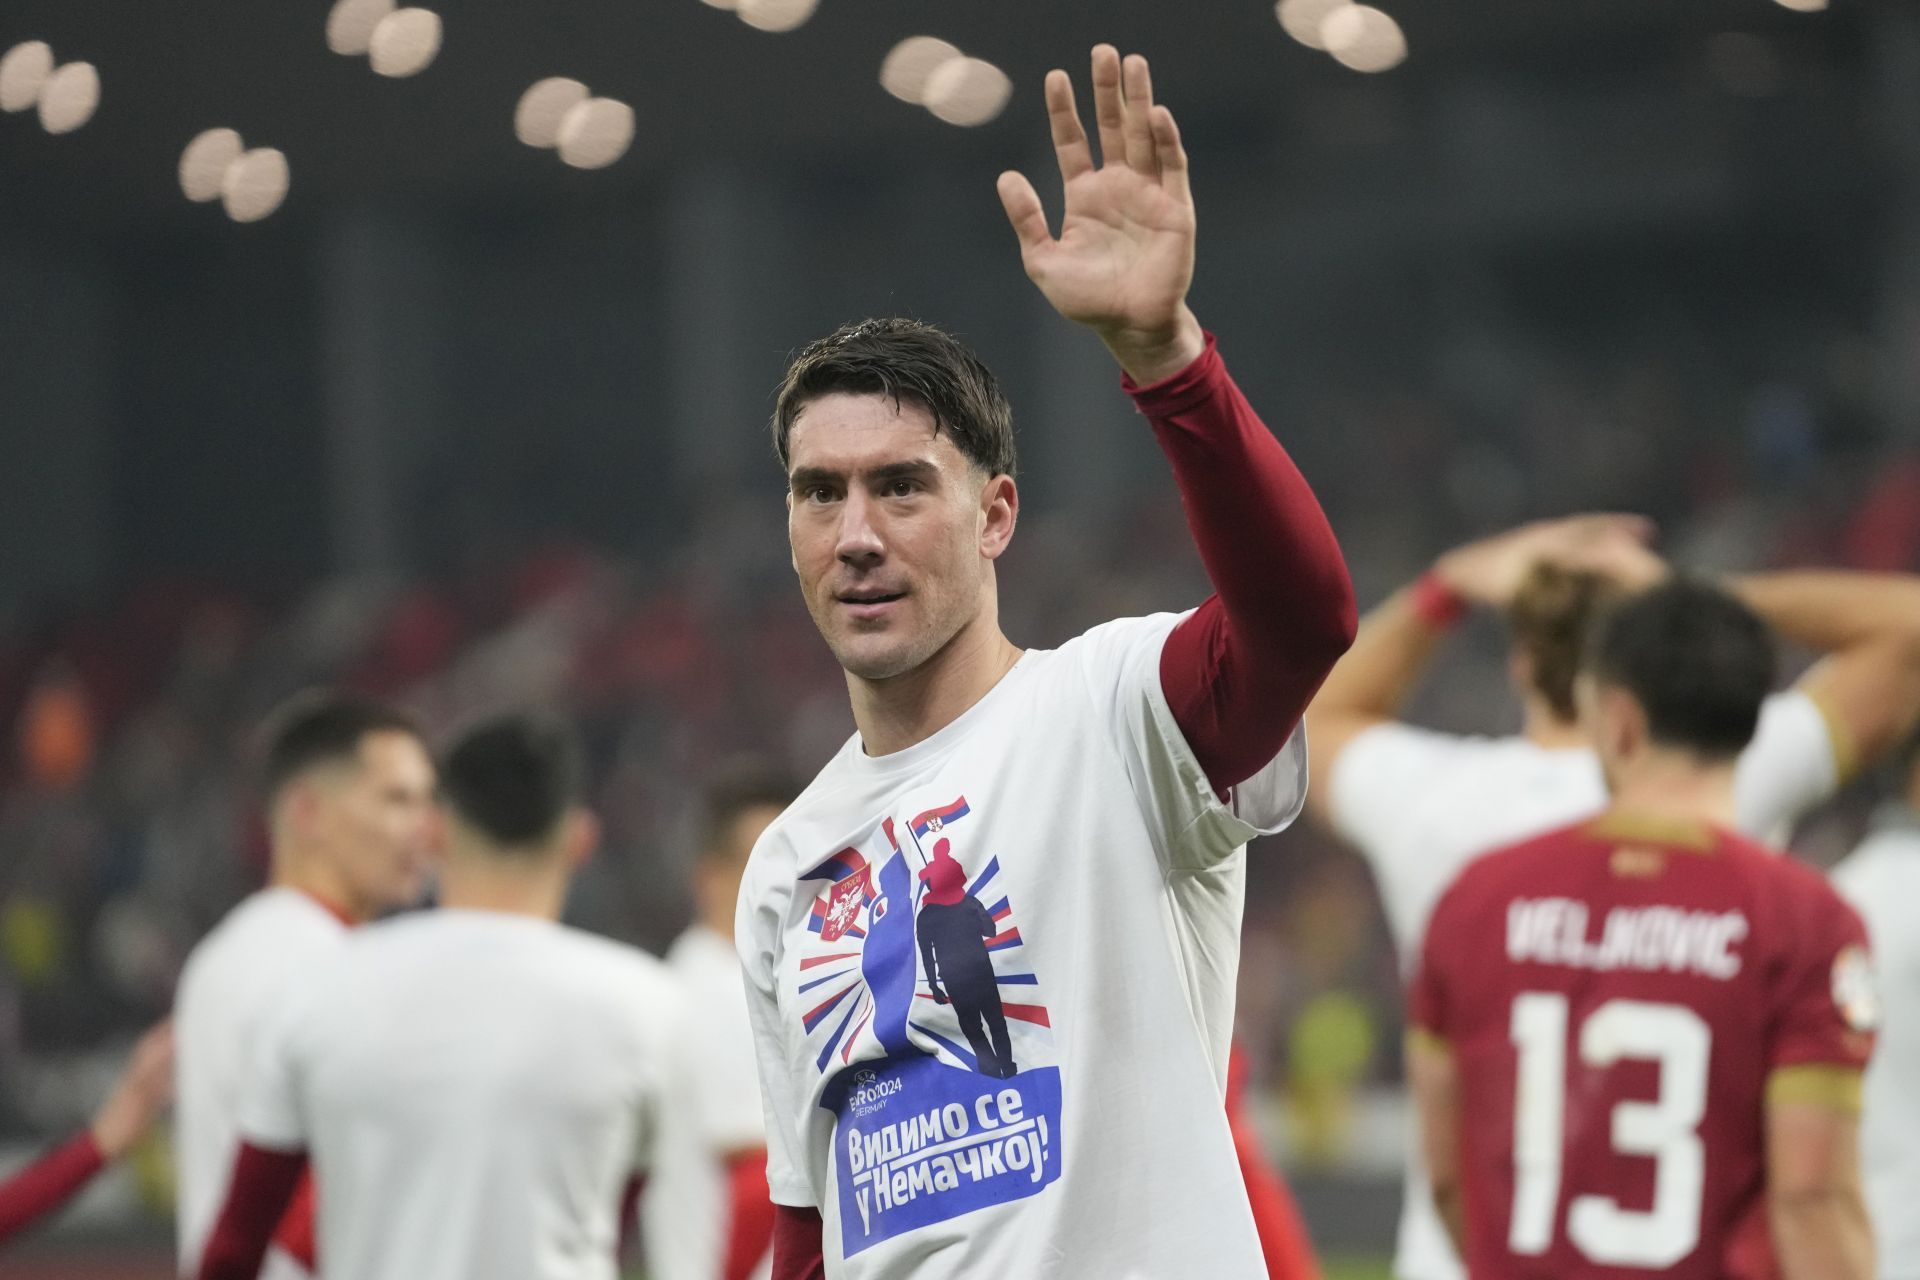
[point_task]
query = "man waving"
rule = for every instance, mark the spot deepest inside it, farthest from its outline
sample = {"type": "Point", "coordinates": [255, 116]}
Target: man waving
{"type": "Point", "coordinates": [1095, 799]}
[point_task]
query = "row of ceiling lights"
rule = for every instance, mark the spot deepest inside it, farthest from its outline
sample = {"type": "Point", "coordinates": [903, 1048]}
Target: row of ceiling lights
{"type": "Point", "coordinates": [590, 132]}
{"type": "Point", "coordinates": [67, 94]}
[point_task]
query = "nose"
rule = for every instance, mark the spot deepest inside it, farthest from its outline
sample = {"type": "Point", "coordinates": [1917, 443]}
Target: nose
{"type": "Point", "coordinates": [859, 541]}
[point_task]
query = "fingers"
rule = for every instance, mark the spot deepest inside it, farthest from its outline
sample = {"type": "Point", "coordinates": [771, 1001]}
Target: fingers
{"type": "Point", "coordinates": [1109, 104]}
{"type": "Point", "coordinates": [1022, 204]}
{"type": "Point", "coordinates": [1172, 157]}
{"type": "Point", "coordinates": [1608, 524]}
{"type": "Point", "coordinates": [1069, 137]}
{"type": "Point", "coordinates": [1137, 113]}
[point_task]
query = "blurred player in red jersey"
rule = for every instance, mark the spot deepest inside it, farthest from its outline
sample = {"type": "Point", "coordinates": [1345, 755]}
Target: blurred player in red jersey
{"type": "Point", "coordinates": [127, 1115]}
{"type": "Point", "coordinates": [349, 793]}
{"type": "Point", "coordinates": [1419, 805]}
{"type": "Point", "coordinates": [708, 1215]}
{"type": "Point", "coordinates": [1639, 1040]}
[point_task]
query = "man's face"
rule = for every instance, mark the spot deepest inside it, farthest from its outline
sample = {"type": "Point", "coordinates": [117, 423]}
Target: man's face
{"type": "Point", "coordinates": [894, 533]}
{"type": "Point", "coordinates": [375, 819]}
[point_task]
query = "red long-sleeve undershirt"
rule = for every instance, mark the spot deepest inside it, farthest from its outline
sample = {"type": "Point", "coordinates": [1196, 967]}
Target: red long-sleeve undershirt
{"type": "Point", "coordinates": [48, 1183]}
{"type": "Point", "coordinates": [1239, 672]}
{"type": "Point", "coordinates": [265, 1183]}
{"type": "Point", "coordinates": [750, 1215]}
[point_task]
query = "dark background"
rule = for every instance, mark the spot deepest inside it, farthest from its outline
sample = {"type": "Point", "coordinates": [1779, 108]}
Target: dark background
{"type": "Point", "coordinates": [465, 426]}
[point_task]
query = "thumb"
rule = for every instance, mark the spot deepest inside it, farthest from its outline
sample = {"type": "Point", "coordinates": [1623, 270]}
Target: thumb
{"type": "Point", "coordinates": [1022, 204]}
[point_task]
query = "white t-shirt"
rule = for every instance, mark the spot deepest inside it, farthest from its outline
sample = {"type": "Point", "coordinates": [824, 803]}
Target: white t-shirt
{"type": "Point", "coordinates": [711, 1112]}
{"type": "Point", "coordinates": [474, 1090]}
{"type": "Point", "coordinates": [232, 983]}
{"type": "Point", "coordinates": [1014, 1064]}
{"type": "Point", "coordinates": [1421, 805]}
{"type": "Point", "coordinates": [1882, 880]}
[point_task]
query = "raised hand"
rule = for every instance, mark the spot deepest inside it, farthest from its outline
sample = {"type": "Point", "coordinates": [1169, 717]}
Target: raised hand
{"type": "Point", "coordinates": [1490, 571]}
{"type": "Point", "coordinates": [144, 1090]}
{"type": "Point", "coordinates": [1124, 256]}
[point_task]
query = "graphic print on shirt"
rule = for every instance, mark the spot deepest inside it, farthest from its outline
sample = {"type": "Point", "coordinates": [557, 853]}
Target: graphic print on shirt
{"type": "Point", "coordinates": [944, 1084]}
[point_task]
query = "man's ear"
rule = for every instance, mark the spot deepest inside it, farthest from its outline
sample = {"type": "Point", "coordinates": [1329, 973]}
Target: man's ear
{"type": "Point", "coordinates": [1520, 671]}
{"type": "Point", "coordinates": [999, 512]}
{"type": "Point", "coordinates": [582, 836]}
{"type": "Point", "coordinates": [299, 808]}
{"type": "Point", "coordinates": [1622, 723]}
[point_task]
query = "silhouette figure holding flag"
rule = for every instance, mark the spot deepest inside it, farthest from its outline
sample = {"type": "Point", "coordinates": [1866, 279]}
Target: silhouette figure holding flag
{"type": "Point", "coordinates": [953, 928]}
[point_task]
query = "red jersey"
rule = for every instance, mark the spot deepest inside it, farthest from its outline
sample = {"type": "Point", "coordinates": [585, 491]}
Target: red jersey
{"type": "Point", "coordinates": [1617, 996]}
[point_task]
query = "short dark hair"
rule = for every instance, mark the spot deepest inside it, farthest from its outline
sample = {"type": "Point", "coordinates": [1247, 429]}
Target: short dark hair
{"type": "Point", "coordinates": [741, 789]}
{"type": "Point", "coordinates": [513, 777]}
{"type": "Point", "coordinates": [1550, 618]}
{"type": "Point", "coordinates": [1697, 660]}
{"type": "Point", "coordinates": [909, 362]}
{"type": "Point", "coordinates": [321, 727]}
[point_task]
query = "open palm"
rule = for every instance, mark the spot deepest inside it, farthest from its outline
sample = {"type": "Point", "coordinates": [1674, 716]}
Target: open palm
{"type": "Point", "coordinates": [1124, 256]}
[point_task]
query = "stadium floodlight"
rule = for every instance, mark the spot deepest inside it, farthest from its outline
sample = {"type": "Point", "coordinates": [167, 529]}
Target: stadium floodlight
{"type": "Point", "coordinates": [968, 91]}
{"type": "Point", "coordinates": [350, 25]}
{"type": "Point", "coordinates": [775, 15]}
{"type": "Point", "coordinates": [1302, 18]}
{"type": "Point", "coordinates": [23, 71]}
{"type": "Point", "coordinates": [405, 43]}
{"type": "Point", "coordinates": [595, 133]}
{"type": "Point", "coordinates": [1803, 6]}
{"type": "Point", "coordinates": [255, 184]}
{"type": "Point", "coordinates": [910, 64]}
{"type": "Point", "coordinates": [1364, 38]}
{"type": "Point", "coordinates": [536, 121]}
{"type": "Point", "coordinates": [69, 97]}
{"type": "Point", "coordinates": [728, 5]}
{"type": "Point", "coordinates": [204, 164]}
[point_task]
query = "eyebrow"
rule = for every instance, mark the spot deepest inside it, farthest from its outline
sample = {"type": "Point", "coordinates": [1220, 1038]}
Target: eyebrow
{"type": "Point", "coordinates": [913, 469]}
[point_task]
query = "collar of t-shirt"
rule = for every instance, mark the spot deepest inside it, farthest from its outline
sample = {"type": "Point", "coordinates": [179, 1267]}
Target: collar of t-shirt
{"type": "Point", "coordinates": [327, 906]}
{"type": "Point", "coordinates": [930, 748]}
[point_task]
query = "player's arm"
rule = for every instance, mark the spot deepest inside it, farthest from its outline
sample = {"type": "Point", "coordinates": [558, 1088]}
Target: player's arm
{"type": "Point", "coordinates": [799, 1250]}
{"type": "Point", "coordinates": [1868, 626]}
{"type": "Point", "coordinates": [1435, 1080]}
{"type": "Point", "coordinates": [1815, 1204]}
{"type": "Point", "coordinates": [1433, 1072]}
{"type": "Point", "coordinates": [48, 1183]}
{"type": "Point", "coordinates": [142, 1092]}
{"type": "Point", "coordinates": [751, 1213]}
{"type": "Point", "coordinates": [1821, 1036]}
{"type": "Point", "coordinates": [263, 1185]}
{"type": "Point", "coordinates": [1239, 672]}
{"type": "Point", "coordinates": [1399, 637]}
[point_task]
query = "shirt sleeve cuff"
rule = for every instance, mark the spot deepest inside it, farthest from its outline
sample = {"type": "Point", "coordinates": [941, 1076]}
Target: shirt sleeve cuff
{"type": "Point", "coordinates": [1180, 391]}
{"type": "Point", "coordinates": [86, 1151]}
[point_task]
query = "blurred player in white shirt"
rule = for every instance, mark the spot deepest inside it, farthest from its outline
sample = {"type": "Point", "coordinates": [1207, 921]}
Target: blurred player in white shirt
{"type": "Point", "coordinates": [1882, 880]}
{"type": "Point", "coordinates": [708, 1213]}
{"type": "Point", "coordinates": [1420, 805]}
{"type": "Point", "coordinates": [475, 1086]}
{"type": "Point", "coordinates": [349, 793]}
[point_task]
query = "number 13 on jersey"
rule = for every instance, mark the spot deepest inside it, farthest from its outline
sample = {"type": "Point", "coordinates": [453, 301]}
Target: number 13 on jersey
{"type": "Point", "coordinates": [1665, 1130]}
